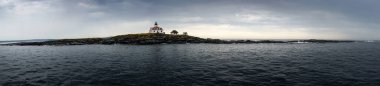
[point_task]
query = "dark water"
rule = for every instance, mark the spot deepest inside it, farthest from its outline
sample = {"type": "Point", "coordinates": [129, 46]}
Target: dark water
{"type": "Point", "coordinates": [345, 64]}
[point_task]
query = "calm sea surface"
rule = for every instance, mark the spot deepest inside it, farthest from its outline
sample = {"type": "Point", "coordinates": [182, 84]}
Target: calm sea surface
{"type": "Point", "coordinates": [345, 64]}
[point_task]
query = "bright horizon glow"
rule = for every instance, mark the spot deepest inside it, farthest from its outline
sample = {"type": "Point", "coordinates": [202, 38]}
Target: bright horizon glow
{"type": "Point", "coordinates": [224, 19]}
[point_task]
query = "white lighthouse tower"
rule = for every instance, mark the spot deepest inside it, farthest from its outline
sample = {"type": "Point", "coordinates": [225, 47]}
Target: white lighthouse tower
{"type": "Point", "coordinates": [156, 29]}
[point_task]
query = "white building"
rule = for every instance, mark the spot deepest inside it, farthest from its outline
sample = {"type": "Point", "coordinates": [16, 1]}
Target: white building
{"type": "Point", "coordinates": [156, 29]}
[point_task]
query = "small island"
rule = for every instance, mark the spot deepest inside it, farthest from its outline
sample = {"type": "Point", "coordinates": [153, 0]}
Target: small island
{"type": "Point", "coordinates": [157, 35]}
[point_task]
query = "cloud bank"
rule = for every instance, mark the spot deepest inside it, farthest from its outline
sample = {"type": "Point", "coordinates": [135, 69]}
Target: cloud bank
{"type": "Point", "coordinates": [224, 19]}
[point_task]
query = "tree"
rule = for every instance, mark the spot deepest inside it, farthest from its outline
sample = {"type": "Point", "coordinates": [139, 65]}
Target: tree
{"type": "Point", "coordinates": [184, 33]}
{"type": "Point", "coordinates": [175, 32]}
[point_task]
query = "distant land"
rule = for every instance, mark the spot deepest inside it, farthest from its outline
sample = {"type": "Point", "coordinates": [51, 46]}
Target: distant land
{"type": "Point", "coordinates": [19, 41]}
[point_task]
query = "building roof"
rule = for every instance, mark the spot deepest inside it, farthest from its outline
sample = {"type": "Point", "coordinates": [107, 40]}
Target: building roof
{"type": "Point", "coordinates": [156, 28]}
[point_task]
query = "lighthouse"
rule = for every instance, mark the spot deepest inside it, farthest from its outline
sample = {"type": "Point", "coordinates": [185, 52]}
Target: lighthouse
{"type": "Point", "coordinates": [156, 29]}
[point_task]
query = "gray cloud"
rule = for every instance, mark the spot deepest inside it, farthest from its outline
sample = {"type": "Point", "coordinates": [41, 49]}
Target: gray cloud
{"type": "Point", "coordinates": [328, 19]}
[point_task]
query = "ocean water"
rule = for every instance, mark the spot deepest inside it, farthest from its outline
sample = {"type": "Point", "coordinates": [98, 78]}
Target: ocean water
{"type": "Point", "coordinates": [328, 64]}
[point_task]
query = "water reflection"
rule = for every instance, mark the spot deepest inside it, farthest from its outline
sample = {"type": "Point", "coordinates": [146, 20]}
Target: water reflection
{"type": "Point", "coordinates": [163, 62]}
{"type": "Point", "coordinates": [155, 66]}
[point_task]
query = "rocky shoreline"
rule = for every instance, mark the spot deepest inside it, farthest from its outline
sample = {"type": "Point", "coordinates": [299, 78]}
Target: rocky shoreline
{"type": "Point", "coordinates": [152, 38]}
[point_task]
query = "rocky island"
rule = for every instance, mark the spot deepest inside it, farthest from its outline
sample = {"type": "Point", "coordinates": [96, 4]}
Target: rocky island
{"type": "Point", "coordinates": [153, 38]}
{"type": "Point", "coordinates": [157, 35]}
{"type": "Point", "coordinates": [143, 38]}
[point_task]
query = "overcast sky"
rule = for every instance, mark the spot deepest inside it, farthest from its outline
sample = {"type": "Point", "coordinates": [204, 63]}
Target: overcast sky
{"type": "Point", "coordinates": [223, 19]}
